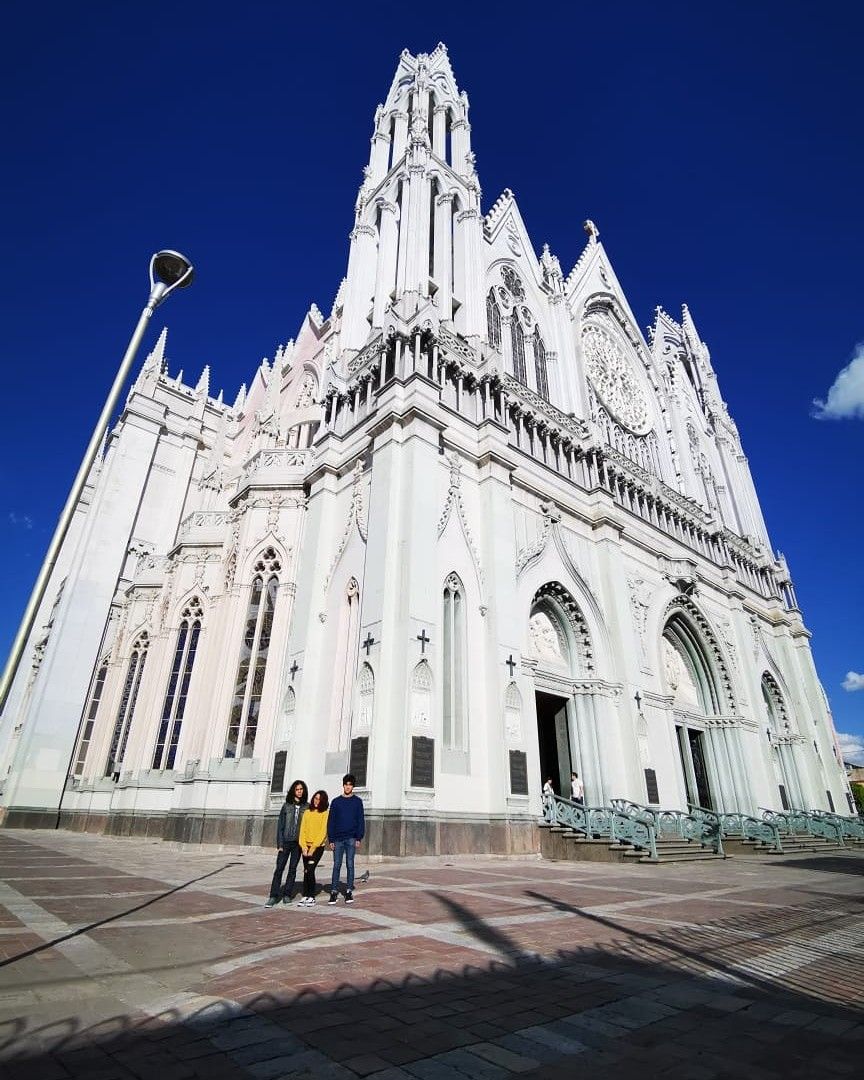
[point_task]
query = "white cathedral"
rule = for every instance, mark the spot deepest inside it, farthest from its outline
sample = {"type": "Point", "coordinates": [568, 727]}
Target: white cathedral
{"type": "Point", "coordinates": [468, 531]}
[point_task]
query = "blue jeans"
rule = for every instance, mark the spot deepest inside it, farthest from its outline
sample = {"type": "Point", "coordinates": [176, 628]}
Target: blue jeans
{"type": "Point", "coordinates": [343, 849]}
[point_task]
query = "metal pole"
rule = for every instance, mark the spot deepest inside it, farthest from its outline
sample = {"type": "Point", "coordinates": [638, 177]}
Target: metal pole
{"type": "Point", "coordinates": [159, 290]}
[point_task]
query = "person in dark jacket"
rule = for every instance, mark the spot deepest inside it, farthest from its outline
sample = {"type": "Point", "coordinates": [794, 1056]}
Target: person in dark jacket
{"type": "Point", "coordinates": [346, 827]}
{"type": "Point", "coordinates": [287, 843]}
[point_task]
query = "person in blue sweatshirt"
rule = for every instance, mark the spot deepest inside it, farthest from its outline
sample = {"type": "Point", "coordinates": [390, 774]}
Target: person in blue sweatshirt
{"type": "Point", "coordinates": [346, 827]}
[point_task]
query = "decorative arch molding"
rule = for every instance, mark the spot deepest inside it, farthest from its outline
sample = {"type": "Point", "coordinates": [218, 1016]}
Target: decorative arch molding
{"type": "Point", "coordinates": [356, 520]}
{"type": "Point", "coordinates": [266, 557]}
{"type": "Point", "coordinates": [607, 305]}
{"type": "Point", "coordinates": [191, 606]}
{"type": "Point", "coordinates": [684, 620]}
{"type": "Point", "coordinates": [532, 566]}
{"type": "Point", "coordinates": [555, 597]}
{"type": "Point", "coordinates": [454, 499]}
{"type": "Point", "coordinates": [775, 703]}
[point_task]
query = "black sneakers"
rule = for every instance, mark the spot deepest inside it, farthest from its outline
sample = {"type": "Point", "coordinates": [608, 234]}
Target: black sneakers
{"type": "Point", "coordinates": [349, 897]}
{"type": "Point", "coordinates": [333, 898]}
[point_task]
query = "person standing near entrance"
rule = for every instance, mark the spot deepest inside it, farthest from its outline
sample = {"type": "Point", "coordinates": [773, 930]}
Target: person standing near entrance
{"type": "Point", "coordinates": [287, 843]}
{"type": "Point", "coordinates": [346, 827]}
{"type": "Point", "coordinates": [577, 788]}
{"type": "Point", "coordinates": [548, 793]}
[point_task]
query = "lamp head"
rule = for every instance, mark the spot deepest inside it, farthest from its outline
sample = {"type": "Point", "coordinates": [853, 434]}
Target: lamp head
{"type": "Point", "coordinates": [172, 269]}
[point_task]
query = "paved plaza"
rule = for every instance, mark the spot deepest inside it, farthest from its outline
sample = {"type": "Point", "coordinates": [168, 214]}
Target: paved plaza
{"type": "Point", "coordinates": [130, 959]}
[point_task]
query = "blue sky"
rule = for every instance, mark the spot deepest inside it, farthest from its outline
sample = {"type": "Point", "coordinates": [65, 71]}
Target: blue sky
{"type": "Point", "coordinates": [718, 147]}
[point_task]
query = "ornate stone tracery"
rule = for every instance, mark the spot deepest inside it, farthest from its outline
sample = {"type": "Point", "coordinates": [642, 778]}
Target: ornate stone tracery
{"type": "Point", "coordinates": [612, 377]}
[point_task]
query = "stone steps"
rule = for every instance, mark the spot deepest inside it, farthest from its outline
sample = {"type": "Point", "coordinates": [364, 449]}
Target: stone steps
{"type": "Point", "coordinates": [563, 844]}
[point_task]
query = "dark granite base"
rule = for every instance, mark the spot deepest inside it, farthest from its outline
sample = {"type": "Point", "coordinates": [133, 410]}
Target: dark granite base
{"type": "Point", "coordinates": [561, 848]}
{"type": "Point", "coordinates": [385, 834]}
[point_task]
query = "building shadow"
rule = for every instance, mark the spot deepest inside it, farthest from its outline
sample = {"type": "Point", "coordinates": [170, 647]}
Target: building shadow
{"type": "Point", "coordinates": [710, 1001]}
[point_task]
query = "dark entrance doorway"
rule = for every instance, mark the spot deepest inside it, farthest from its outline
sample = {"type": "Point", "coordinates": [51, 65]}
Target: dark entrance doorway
{"type": "Point", "coordinates": [691, 747]}
{"type": "Point", "coordinates": [554, 738]}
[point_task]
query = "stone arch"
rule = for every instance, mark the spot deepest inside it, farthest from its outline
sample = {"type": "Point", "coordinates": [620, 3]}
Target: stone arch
{"type": "Point", "coordinates": [422, 685]}
{"type": "Point", "coordinates": [775, 705]}
{"type": "Point", "coordinates": [553, 606]}
{"type": "Point", "coordinates": [689, 634]}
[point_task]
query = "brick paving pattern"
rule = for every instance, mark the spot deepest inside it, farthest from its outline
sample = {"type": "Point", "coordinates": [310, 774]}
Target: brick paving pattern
{"type": "Point", "coordinates": [136, 959]}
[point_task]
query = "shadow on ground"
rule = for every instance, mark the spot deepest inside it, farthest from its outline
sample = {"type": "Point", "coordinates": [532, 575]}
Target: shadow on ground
{"type": "Point", "coordinates": [693, 1004]}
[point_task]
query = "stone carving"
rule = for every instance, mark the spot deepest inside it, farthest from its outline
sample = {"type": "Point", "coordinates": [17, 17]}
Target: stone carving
{"type": "Point", "coordinates": [421, 698]}
{"type": "Point", "coordinates": [640, 602]}
{"type": "Point", "coordinates": [545, 637]}
{"type": "Point", "coordinates": [513, 282]}
{"type": "Point", "coordinates": [551, 517]}
{"type": "Point", "coordinates": [356, 519]}
{"type": "Point", "coordinates": [679, 678]}
{"type": "Point", "coordinates": [307, 391]}
{"type": "Point", "coordinates": [513, 714]}
{"type": "Point", "coordinates": [454, 498]}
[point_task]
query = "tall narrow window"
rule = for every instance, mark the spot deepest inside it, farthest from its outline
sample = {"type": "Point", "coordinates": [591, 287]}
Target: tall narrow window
{"type": "Point", "coordinates": [454, 664]}
{"type": "Point", "coordinates": [493, 320]}
{"type": "Point", "coordinates": [252, 665]}
{"type": "Point", "coordinates": [126, 709]}
{"type": "Point", "coordinates": [345, 661]}
{"type": "Point", "coordinates": [174, 705]}
{"type": "Point", "coordinates": [92, 709]}
{"type": "Point", "coordinates": [540, 365]}
{"type": "Point", "coordinates": [517, 338]}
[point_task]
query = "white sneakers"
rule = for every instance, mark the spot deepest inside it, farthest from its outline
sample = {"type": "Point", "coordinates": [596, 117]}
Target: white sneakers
{"type": "Point", "coordinates": [306, 901]}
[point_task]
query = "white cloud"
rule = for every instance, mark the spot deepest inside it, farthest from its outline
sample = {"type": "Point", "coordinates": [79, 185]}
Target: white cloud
{"type": "Point", "coordinates": [845, 400]}
{"type": "Point", "coordinates": [851, 748]}
{"type": "Point", "coordinates": [853, 681]}
{"type": "Point", "coordinates": [22, 520]}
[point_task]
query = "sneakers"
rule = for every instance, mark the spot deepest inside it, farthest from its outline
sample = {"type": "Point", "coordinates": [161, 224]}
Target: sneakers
{"type": "Point", "coordinates": [287, 901]}
{"type": "Point", "coordinates": [306, 901]}
{"type": "Point", "coordinates": [349, 897]}
{"type": "Point", "coordinates": [334, 896]}
{"type": "Point", "coordinates": [271, 901]}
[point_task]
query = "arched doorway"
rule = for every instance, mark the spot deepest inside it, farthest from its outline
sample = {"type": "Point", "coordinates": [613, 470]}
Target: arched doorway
{"type": "Point", "coordinates": [560, 644]}
{"type": "Point", "coordinates": [699, 691]}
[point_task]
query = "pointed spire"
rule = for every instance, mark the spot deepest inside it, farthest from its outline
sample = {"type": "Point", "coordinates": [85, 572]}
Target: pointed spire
{"type": "Point", "coordinates": [240, 400]}
{"type": "Point", "coordinates": [156, 358]}
{"type": "Point", "coordinates": [202, 390]}
{"type": "Point", "coordinates": [219, 398]}
{"type": "Point", "coordinates": [178, 382]}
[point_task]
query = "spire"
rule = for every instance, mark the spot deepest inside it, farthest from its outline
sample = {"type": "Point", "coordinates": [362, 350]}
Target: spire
{"type": "Point", "coordinates": [202, 390]}
{"type": "Point", "coordinates": [240, 400]}
{"type": "Point", "coordinates": [424, 220]}
{"type": "Point", "coordinates": [152, 367]}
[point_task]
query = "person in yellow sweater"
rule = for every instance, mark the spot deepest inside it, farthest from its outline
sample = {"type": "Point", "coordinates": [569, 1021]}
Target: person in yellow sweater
{"type": "Point", "coordinates": [312, 838]}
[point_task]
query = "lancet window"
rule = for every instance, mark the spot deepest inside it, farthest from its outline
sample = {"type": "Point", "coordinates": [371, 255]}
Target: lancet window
{"type": "Point", "coordinates": [540, 370]}
{"type": "Point", "coordinates": [454, 664]}
{"type": "Point", "coordinates": [517, 340]}
{"type": "Point", "coordinates": [126, 709]}
{"type": "Point", "coordinates": [252, 665]}
{"type": "Point", "coordinates": [177, 691]}
{"type": "Point", "coordinates": [90, 719]}
{"type": "Point", "coordinates": [493, 320]}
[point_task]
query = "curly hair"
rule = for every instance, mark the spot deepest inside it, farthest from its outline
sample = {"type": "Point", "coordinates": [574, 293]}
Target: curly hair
{"type": "Point", "coordinates": [323, 804]}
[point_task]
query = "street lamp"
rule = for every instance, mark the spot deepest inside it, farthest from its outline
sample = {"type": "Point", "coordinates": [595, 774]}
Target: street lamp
{"type": "Point", "coordinates": [169, 270]}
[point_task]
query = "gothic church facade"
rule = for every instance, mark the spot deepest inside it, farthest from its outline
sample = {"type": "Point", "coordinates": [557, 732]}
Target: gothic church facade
{"type": "Point", "coordinates": [468, 531]}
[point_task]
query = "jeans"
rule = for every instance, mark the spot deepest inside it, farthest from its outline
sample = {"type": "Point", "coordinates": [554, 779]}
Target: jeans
{"type": "Point", "coordinates": [289, 854]}
{"type": "Point", "coordinates": [343, 849]}
{"type": "Point", "coordinates": [309, 864]}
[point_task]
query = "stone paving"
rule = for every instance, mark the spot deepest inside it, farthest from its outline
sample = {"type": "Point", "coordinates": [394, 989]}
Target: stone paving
{"type": "Point", "coordinates": [130, 959]}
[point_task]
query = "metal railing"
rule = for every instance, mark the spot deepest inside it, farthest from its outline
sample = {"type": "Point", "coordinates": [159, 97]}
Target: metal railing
{"type": "Point", "coordinates": [600, 823]}
{"type": "Point", "coordinates": [699, 825]}
{"type": "Point", "coordinates": [804, 822]}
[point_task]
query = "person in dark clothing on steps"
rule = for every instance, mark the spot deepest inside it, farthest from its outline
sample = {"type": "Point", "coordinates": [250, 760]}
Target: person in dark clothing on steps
{"type": "Point", "coordinates": [287, 843]}
{"type": "Point", "coordinates": [346, 827]}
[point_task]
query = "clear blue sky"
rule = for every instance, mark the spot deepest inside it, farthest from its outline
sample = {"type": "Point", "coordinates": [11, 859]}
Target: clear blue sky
{"type": "Point", "coordinates": [718, 147]}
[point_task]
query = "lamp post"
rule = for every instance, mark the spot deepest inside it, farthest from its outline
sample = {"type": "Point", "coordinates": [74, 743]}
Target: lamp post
{"type": "Point", "coordinates": [169, 270]}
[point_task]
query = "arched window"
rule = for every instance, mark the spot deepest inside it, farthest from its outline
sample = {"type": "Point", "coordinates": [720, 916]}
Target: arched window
{"type": "Point", "coordinates": [126, 709]}
{"type": "Point", "coordinates": [252, 666]}
{"type": "Point", "coordinates": [454, 664]}
{"type": "Point", "coordinates": [92, 709]}
{"type": "Point", "coordinates": [517, 339]}
{"type": "Point", "coordinates": [174, 705]}
{"type": "Point", "coordinates": [421, 698]}
{"type": "Point", "coordinates": [540, 365]}
{"type": "Point", "coordinates": [493, 320]}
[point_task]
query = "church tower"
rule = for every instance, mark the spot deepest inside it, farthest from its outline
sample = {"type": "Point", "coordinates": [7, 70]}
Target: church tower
{"type": "Point", "coordinates": [467, 532]}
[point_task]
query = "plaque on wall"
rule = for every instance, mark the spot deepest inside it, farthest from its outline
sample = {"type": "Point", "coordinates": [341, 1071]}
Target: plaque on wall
{"type": "Point", "coordinates": [422, 761]}
{"type": "Point", "coordinates": [358, 760]}
{"type": "Point", "coordinates": [651, 787]}
{"type": "Point", "coordinates": [518, 772]}
{"type": "Point", "coordinates": [784, 802]}
{"type": "Point", "coordinates": [277, 781]}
